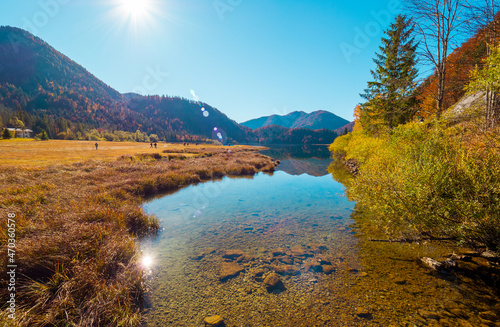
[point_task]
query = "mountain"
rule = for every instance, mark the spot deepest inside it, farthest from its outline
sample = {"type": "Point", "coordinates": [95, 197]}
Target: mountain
{"type": "Point", "coordinates": [47, 91]}
{"type": "Point", "coordinates": [53, 93]}
{"type": "Point", "coordinates": [298, 119]}
{"type": "Point", "coordinates": [345, 129]}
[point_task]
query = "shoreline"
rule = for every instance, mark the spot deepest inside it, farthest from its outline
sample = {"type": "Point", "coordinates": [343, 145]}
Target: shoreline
{"type": "Point", "coordinates": [78, 219]}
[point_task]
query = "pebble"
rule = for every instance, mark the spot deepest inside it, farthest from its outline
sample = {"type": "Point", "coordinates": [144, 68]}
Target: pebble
{"type": "Point", "coordinates": [213, 321]}
{"type": "Point", "coordinates": [363, 313]}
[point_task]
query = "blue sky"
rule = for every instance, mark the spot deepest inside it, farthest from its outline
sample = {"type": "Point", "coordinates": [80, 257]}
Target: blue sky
{"type": "Point", "coordinates": [246, 58]}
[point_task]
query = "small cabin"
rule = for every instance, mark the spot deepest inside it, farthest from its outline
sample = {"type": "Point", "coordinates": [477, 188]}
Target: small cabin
{"type": "Point", "coordinates": [21, 133]}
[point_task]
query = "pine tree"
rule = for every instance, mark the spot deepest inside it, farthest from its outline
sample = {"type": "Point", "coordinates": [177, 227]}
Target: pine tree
{"type": "Point", "coordinates": [390, 99]}
{"type": "Point", "coordinates": [6, 134]}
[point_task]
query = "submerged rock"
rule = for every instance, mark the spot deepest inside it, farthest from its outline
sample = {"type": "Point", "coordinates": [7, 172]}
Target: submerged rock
{"type": "Point", "coordinates": [285, 259]}
{"type": "Point", "coordinates": [364, 313]}
{"type": "Point", "coordinates": [278, 252]}
{"type": "Point", "coordinates": [273, 281]}
{"type": "Point", "coordinates": [285, 269]}
{"type": "Point", "coordinates": [327, 269]}
{"type": "Point", "coordinates": [313, 266]}
{"type": "Point", "coordinates": [213, 321]}
{"type": "Point", "coordinates": [203, 253]}
{"type": "Point", "coordinates": [298, 251]}
{"type": "Point", "coordinates": [317, 247]}
{"type": "Point", "coordinates": [245, 258]}
{"type": "Point", "coordinates": [324, 260]}
{"type": "Point", "coordinates": [232, 254]}
{"type": "Point", "coordinates": [229, 270]}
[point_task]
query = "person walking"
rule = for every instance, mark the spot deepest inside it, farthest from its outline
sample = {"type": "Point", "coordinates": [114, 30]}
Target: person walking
{"type": "Point", "coordinates": [96, 145]}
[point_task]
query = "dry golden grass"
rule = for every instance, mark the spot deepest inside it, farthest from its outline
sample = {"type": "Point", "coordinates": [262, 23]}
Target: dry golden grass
{"type": "Point", "coordinates": [78, 215]}
{"type": "Point", "coordinates": [27, 152]}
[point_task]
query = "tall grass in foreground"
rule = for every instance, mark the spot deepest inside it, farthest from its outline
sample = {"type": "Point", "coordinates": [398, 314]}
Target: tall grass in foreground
{"type": "Point", "coordinates": [77, 226]}
{"type": "Point", "coordinates": [430, 180]}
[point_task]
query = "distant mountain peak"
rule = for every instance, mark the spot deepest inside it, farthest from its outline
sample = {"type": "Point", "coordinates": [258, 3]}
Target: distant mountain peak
{"type": "Point", "coordinates": [320, 119]}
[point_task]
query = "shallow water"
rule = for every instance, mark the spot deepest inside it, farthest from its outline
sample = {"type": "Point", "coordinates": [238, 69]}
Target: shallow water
{"type": "Point", "coordinates": [309, 218]}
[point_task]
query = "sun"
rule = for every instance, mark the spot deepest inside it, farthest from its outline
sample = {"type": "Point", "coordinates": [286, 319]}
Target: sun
{"type": "Point", "coordinates": [136, 10]}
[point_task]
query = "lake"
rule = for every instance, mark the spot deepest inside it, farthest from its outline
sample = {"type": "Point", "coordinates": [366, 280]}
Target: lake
{"type": "Point", "coordinates": [222, 241]}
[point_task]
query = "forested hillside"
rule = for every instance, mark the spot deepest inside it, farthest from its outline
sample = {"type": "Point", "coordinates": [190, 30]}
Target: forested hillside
{"type": "Point", "coordinates": [43, 90]}
{"type": "Point", "coordinates": [49, 92]}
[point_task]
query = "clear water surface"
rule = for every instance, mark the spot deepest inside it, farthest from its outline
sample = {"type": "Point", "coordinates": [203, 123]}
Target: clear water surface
{"type": "Point", "coordinates": [299, 223]}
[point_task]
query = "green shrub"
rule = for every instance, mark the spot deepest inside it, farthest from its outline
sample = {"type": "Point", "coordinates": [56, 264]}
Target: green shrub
{"type": "Point", "coordinates": [44, 136]}
{"type": "Point", "coordinates": [421, 180]}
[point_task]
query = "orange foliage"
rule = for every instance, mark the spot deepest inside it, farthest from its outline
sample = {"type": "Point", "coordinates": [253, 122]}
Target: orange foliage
{"type": "Point", "coordinates": [459, 65]}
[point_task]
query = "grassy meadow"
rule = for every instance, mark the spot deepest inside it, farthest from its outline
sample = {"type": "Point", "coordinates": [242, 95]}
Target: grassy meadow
{"type": "Point", "coordinates": [78, 218]}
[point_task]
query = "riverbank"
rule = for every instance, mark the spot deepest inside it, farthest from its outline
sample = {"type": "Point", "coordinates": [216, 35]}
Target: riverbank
{"type": "Point", "coordinates": [436, 179]}
{"type": "Point", "coordinates": [77, 216]}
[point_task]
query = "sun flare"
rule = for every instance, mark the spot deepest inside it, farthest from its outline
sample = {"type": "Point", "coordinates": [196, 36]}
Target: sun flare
{"type": "Point", "coordinates": [135, 8]}
{"type": "Point", "coordinates": [136, 11]}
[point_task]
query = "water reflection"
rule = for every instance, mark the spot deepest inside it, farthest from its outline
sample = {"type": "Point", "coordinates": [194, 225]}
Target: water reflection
{"type": "Point", "coordinates": [223, 239]}
{"type": "Point", "coordinates": [301, 159]}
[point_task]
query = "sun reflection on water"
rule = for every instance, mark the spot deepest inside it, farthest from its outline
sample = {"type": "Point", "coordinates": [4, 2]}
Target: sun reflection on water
{"type": "Point", "coordinates": [147, 261]}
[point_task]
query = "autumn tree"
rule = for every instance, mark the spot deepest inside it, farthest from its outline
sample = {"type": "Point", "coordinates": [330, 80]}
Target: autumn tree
{"type": "Point", "coordinates": [485, 19]}
{"type": "Point", "coordinates": [389, 96]}
{"type": "Point", "coordinates": [438, 23]}
{"type": "Point", "coordinates": [16, 122]}
{"type": "Point", "coordinates": [487, 79]}
{"type": "Point", "coordinates": [483, 16]}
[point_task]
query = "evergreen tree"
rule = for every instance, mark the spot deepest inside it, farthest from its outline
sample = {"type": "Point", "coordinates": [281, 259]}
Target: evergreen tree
{"type": "Point", "coordinates": [390, 99]}
{"type": "Point", "coordinates": [6, 134]}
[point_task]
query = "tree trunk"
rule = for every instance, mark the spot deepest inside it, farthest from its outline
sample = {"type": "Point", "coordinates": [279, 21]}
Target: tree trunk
{"type": "Point", "coordinates": [440, 91]}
